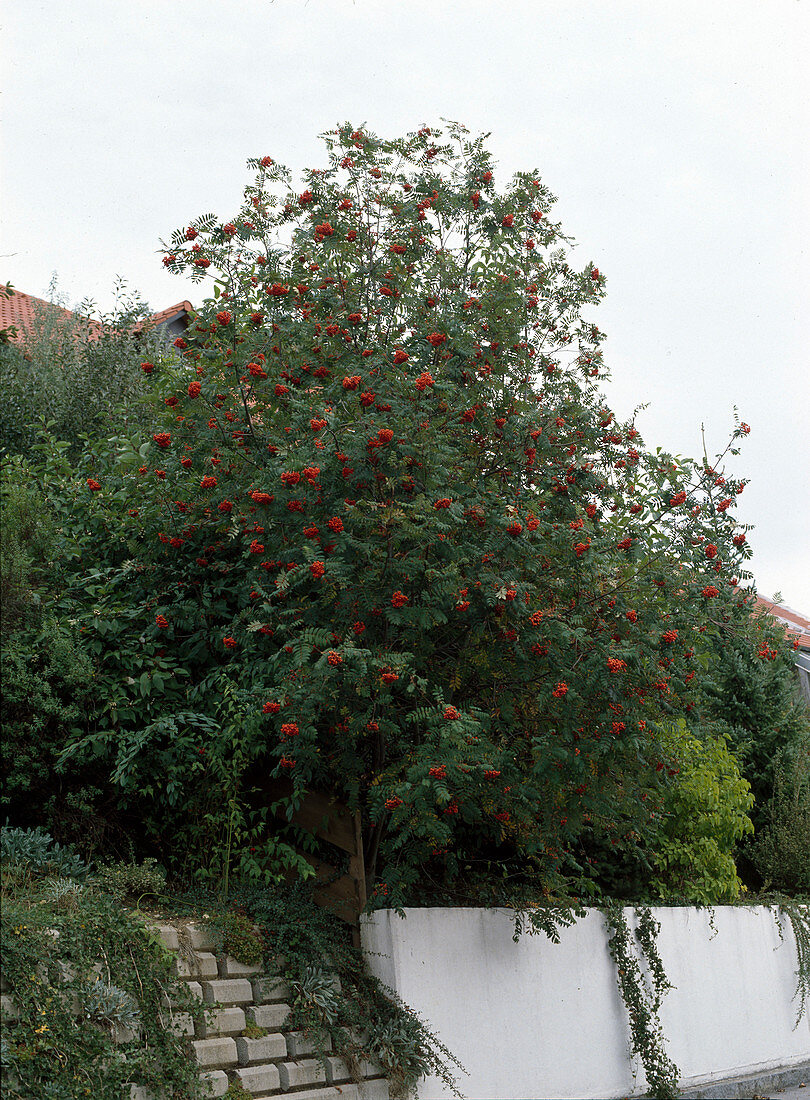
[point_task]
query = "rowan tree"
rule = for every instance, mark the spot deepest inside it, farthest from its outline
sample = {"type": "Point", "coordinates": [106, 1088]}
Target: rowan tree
{"type": "Point", "coordinates": [391, 511]}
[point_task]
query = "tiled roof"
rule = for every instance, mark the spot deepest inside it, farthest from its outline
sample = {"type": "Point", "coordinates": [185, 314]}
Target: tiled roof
{"type": "Point", "coordinates": [166, 316]}
{"type": "Point", "coordinates": [797, 626]}
{"type": "Point", "coordinates": [25, 310]}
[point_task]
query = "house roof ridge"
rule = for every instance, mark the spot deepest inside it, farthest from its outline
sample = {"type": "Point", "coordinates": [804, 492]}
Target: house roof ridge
{"type": "Point", "coordinates": [20, 310]}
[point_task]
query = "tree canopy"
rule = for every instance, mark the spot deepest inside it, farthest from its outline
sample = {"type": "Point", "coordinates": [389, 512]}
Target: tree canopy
{"type": "Point", "coordinates": [388, 540]}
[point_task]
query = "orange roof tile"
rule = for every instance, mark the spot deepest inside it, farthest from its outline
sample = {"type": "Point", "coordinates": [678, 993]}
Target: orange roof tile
{"type": "Point", "coordinates": [165, 316]}
{"type": "Point", "coordinates": [23, 311]}
{"type": "Point", "coordinates": [797, 626]}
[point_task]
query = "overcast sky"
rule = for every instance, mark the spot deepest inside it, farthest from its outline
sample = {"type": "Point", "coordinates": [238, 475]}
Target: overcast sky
{"type": "Point", "coordinates": [674, 134]}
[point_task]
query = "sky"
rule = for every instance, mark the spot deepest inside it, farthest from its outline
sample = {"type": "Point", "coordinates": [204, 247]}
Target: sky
{"type": "Point", "coordinates": [674, 135]}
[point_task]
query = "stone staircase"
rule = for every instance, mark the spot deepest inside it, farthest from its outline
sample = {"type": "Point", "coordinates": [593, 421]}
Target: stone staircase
{"type": "Point", "coordinates": [281, 1062]}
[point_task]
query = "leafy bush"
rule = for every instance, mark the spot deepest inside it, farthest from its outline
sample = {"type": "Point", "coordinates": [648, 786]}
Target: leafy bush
{"type": "Point", "coordinates": [131, 880]}
{"type": "Point", "coordinates": [705, 817]}
{"type": "Point", "coordinates": [78, 373]}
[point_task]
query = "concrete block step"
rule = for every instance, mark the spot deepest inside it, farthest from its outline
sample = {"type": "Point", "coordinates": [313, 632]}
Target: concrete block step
{"type": "Point", "coordinates": [231, 968]}
{"type": "Point", "coordinates": [300, 1043]}
{"type": "Point", "coordinates": [331, 1092]}
{"type": "Point", "coordinates": [194, 988]}
{"type": "Point", "coordinates": [140, 1092]}
{"type": "Point", "coordinates": [167, 934]}
{"type": "Point", "coordinates": [198, 937]}
{"type": "Point", "coordinates": [306, 1071]}
{"type": "Point", "coordinates": [223, 1021]}
{"type": "Point", "coordinates": [258, 1080]}
{"type": "Point", "coordinates": [371, 1090]}
{"type": "Point", "coordinates": [270, 1017]}
{"type": "Point", "coordinates": [267, 990]}
{"type": "Point", "coordinates": [215, 1053]}
{"type": "Point", "coordinates": [216, 1082]}
{"type": "Point", "coordinates": [228, 991]}
{"type": "Point", "coordinates": [180, 1024]}
{"type": "Point", "coordinates": [337, 1070]}
{"type": "Point", "coordinates": [269, 1048]}
{"type": "Point", "coordinates": [202, 965]}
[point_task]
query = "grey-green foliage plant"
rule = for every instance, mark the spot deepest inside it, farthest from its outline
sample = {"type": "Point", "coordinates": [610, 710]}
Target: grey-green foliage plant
{"type": "Point", "coordinates": [35, 851]}
{"type": "Point", "coordinates": [396, 1045]}
{"type": "Point", "coordinates": [65, 892]}
{"type": "Point", "coordinates": [314, 993]}
{"type": "Point", "coordinates": [107, 1004]}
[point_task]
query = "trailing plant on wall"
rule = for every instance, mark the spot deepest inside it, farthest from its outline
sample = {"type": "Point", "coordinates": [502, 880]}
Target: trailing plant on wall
{"type": "Point", "coordinates": [642, 995]}
{"type": "Point", "coordinates": [799, 917]}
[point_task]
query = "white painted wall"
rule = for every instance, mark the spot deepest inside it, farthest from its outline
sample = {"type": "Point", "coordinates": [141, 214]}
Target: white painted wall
{"type": "Point", "coordinates": [538, 1019]}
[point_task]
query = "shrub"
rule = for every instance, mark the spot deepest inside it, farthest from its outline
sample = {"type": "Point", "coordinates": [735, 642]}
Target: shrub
{"type": "Point", "coordinates": [781, 850]}
{"type": "Point", "coordinates": [78, 373]}
{"type": "Point", "coordinates": [750, 688]}
{"type": "Point", "coordinates": [27, 535]}
{"type": "Point", "coordinates": [47, 682]}
{"type": "Point", "coordinates": [239, 938]}
{"type": "Point", "coordinates": [705, 817]}
{"type": "Point", "coordinates": [131, 880]}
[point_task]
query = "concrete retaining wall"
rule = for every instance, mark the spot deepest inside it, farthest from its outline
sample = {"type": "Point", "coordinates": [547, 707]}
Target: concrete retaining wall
{"type": "Point", "coordinates": [540, 1019]}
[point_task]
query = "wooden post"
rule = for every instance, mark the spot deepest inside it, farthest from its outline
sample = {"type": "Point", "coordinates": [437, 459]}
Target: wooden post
{"type": "Point", "coordinates": [331, 821]}
{"type": "Point", "coordinates": [358, 872]}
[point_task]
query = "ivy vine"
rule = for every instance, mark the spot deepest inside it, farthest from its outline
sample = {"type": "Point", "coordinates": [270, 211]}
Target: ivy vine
{"type": "Point", "coordinates": [642, 998]}
{"type": "Point", "coordinates": [799, 917]}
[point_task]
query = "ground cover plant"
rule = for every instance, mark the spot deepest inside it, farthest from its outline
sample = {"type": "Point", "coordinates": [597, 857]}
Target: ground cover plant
{"type": "Point", "coordinates": [88, 984]}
